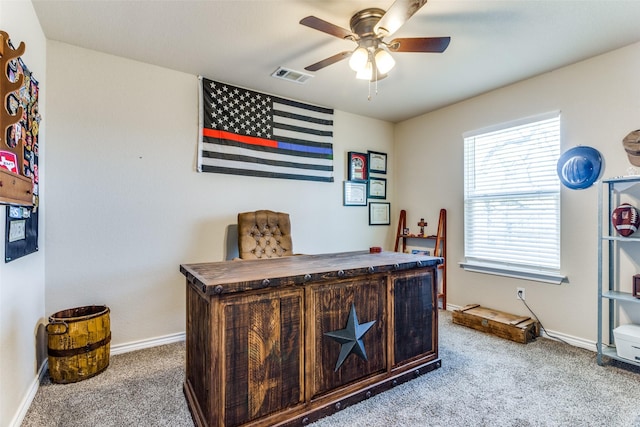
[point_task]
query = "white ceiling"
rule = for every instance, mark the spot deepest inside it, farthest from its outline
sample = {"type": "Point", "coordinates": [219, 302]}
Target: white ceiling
{"type": "Point", "coordinates": [493, 44]}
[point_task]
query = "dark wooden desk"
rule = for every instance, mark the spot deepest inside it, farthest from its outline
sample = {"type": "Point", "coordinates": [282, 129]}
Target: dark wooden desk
{"type": "Point", "coordinates": [287, 341]}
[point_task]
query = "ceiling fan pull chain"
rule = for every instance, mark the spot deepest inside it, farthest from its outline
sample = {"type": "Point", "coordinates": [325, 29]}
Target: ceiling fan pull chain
{"type": "Point", "coordinates": [376, 81]}
{"type": "Point", "coordinates": [375, 67]}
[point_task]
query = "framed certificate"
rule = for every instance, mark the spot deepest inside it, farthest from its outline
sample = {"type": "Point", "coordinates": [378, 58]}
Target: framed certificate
{"type": "Point", "coordinates": [377, 188]}
{"type": "Point", "coordinates": [379, 213]}
{"type": "Point", "coordinates": [358, 164]}
{"type": "Point", "coordinates": [377, 162]}
{"type": "Point", "coordinates": [355, 193]}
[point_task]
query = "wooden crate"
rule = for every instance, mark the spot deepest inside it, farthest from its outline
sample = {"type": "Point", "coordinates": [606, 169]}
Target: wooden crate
{"type": "Point", "coordinates": [520, 329]}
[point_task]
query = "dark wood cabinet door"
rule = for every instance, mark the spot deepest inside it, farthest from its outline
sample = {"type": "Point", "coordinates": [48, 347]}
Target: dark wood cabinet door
{"type": "Point", "coordinates": [414, 317]}
{"type": "Point", "coordinates": [263, 354]}
{"type": "Point", "coordinates": [329, 309]}
{"type": "Point", "coordinates": [200, 372]}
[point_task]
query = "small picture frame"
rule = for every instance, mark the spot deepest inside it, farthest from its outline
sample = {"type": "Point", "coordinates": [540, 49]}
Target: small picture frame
{"type": "Point", "coordinates": [17, 230]}
{"type": "Point", "coordinates": [358, 164]}
{"type": "Point", "coordinates": [379, 213]}
{"type": "Point", "coordinates": [636, 286]}
{"type": "Point", "coordinates": [420, 252]}
{"type": "Point", "coordinates": [377, 162]}
{"type": "Point", "coordinates": [355, 193]}
{"type": "Point", "coordinates": [377, 188]}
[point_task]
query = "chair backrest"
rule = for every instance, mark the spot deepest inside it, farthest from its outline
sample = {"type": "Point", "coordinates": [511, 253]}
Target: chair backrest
{"type": "Point", "coordinates": [264, 234]}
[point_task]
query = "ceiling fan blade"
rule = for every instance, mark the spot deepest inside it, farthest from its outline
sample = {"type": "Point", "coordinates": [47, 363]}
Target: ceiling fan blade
{"type": "Point", "coordinates": [328, 61]}
{"type": "Point", "coordinates": [419, 44]}
{"type": "Point", "coordinates": [327, 27]}
{"type": "Point", "coordinates": [399, 13]}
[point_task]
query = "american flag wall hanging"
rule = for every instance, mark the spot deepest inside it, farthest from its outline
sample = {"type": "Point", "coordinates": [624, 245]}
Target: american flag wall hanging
{"type": "Point", "coordinates": [243, 132]}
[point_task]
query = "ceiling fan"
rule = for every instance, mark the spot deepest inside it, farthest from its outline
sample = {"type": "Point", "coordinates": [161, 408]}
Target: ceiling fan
{"type": "Point", "coordinates": [371, 59]}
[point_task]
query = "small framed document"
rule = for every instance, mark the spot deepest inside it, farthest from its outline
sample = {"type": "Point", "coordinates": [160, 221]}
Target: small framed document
{"type": "Point", "coordinates": [377, 188]}
{"type": "Point", "coordinates": [377, 162]}
{"type": "Point", "coordinates": [379, 213]}
{"type": "Point", "coordinates": [355, 193]}
{"type": "Point", "coordinates": [17, 230]}
{"type": "Point", "coordinates": [358, 166]}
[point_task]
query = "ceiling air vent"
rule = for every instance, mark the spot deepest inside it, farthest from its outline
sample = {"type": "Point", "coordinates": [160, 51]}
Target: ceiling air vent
{"type": "Point", "coordinates": [291, 75]}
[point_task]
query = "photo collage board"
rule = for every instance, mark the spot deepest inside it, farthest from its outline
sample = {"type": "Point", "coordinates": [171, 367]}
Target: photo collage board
{"type": "Point", "coordinates": [22, 222]}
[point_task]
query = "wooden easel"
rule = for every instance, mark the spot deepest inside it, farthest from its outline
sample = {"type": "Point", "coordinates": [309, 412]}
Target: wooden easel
{"type": "Point", "coordinates": [402, 224]}
{"type": "Point", "coordinates": [440, 249]}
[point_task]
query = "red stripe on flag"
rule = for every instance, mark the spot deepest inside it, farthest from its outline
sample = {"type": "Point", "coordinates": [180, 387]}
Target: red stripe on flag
{"type": "Point", "coordinates": [252, 140]}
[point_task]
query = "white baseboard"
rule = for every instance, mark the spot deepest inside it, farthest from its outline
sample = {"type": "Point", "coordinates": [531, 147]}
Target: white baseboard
{"type": "Point", "coordinates": [116, 349]}
{"type": "Point", "coordinates": [571, 340]}
{"type": "Point", "coordinates": [148, 343]}
{"type": "Point", "coordinates": [28, 397]}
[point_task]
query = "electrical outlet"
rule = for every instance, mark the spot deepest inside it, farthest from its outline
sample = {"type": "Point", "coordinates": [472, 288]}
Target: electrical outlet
{"type": "Point", "coordinates": [520, 293]}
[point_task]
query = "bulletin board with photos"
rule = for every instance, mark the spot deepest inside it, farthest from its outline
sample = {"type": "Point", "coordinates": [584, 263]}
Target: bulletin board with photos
{"type": "Point", "coordinates": [20, 136]}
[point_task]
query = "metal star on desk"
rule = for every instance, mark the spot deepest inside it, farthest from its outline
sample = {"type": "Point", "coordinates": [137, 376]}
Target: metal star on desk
{"type": "Point", "coordinates": [350, 338]}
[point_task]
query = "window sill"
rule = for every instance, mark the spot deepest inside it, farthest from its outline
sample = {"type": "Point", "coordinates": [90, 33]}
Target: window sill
{"type": "Point", "coordinates": [518, 273]}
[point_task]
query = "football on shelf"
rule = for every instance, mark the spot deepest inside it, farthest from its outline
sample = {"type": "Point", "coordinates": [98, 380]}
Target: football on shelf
{"type": "Point", "coordinates": [625, 219]}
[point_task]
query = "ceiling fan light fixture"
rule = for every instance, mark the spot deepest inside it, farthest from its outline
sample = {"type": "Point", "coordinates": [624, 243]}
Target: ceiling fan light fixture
{"type": "Point", "coordinates": [359, 59]}
{"type": "Point", "coordinates": [366, 73]}
{"type": "Point", "coordinates": [384, 61]}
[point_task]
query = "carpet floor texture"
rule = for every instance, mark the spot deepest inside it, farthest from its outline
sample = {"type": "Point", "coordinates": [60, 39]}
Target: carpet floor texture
{"type": "Point", "coordinates": [483, 381]}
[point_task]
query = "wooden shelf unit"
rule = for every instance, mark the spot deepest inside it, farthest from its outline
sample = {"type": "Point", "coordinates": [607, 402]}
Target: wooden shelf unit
{"type": "Point", "coordinates": [613, 290]}
{"type": "Point", "coordinates": [15, 188]}
{"type": "Point", "coordinates": [440, 246]}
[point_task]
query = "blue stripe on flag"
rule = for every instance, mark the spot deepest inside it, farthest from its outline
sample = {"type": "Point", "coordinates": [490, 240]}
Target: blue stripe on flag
{"type": "Point", "coordinates": [304, 148]}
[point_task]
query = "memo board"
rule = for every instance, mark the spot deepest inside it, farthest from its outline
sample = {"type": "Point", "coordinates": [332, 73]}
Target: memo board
{"type": "Point", "coordinates": [21, 136]}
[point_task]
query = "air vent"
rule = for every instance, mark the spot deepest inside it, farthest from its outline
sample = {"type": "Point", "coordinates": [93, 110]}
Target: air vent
{"type": "Point", "coordinates": [291, 75]}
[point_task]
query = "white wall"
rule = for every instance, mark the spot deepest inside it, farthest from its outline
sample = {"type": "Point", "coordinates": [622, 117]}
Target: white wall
{"type": "Point", "coordinates": [22, 289]}
{"type": "Point", "coordinates": [599, 100]}
{"type": "Point", "coordinates": [126, 207]}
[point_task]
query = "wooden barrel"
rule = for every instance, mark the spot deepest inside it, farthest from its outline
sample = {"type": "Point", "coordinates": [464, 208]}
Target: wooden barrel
{"type": "Point", "coordinates": [78, 343]}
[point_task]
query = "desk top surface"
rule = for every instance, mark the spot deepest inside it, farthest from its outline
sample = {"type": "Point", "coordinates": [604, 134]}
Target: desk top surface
{"type": "Point", "coordinates": [243, 275]}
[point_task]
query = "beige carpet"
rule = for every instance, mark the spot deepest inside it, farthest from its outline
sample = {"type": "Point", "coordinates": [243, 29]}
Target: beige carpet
{"type": "Point", "coordinates": [484, 381]}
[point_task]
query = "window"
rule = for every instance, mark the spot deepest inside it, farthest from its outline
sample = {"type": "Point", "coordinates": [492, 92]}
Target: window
{"type": "Point", "coordinates": [512, 199]}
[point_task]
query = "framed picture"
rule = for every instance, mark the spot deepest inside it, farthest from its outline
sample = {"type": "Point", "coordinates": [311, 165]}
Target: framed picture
{"type": "Point", "coordinates": [377, 162]}
{"type": "Point", "coordinates": [420, 252]}
{"type": "Point", "coordinates": [379, 213]}
{"type": "Point", "coordinates": [358, 166]}
{"type": "Point", "coordinates": [377, 188]}
{"type": "Point", "coordinates": [355, 193]}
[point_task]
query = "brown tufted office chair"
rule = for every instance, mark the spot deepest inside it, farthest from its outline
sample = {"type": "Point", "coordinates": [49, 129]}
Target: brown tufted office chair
{"type": "Point", "coordinates": [264, 234]}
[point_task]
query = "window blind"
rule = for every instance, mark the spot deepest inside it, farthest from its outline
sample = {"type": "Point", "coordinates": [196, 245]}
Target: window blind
{"type": "Point", "coordinates": [512, 195]}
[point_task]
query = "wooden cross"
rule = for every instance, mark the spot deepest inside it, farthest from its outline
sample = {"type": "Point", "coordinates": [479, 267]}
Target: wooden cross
{"type": "Point", "coordinates": [422, 225]}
